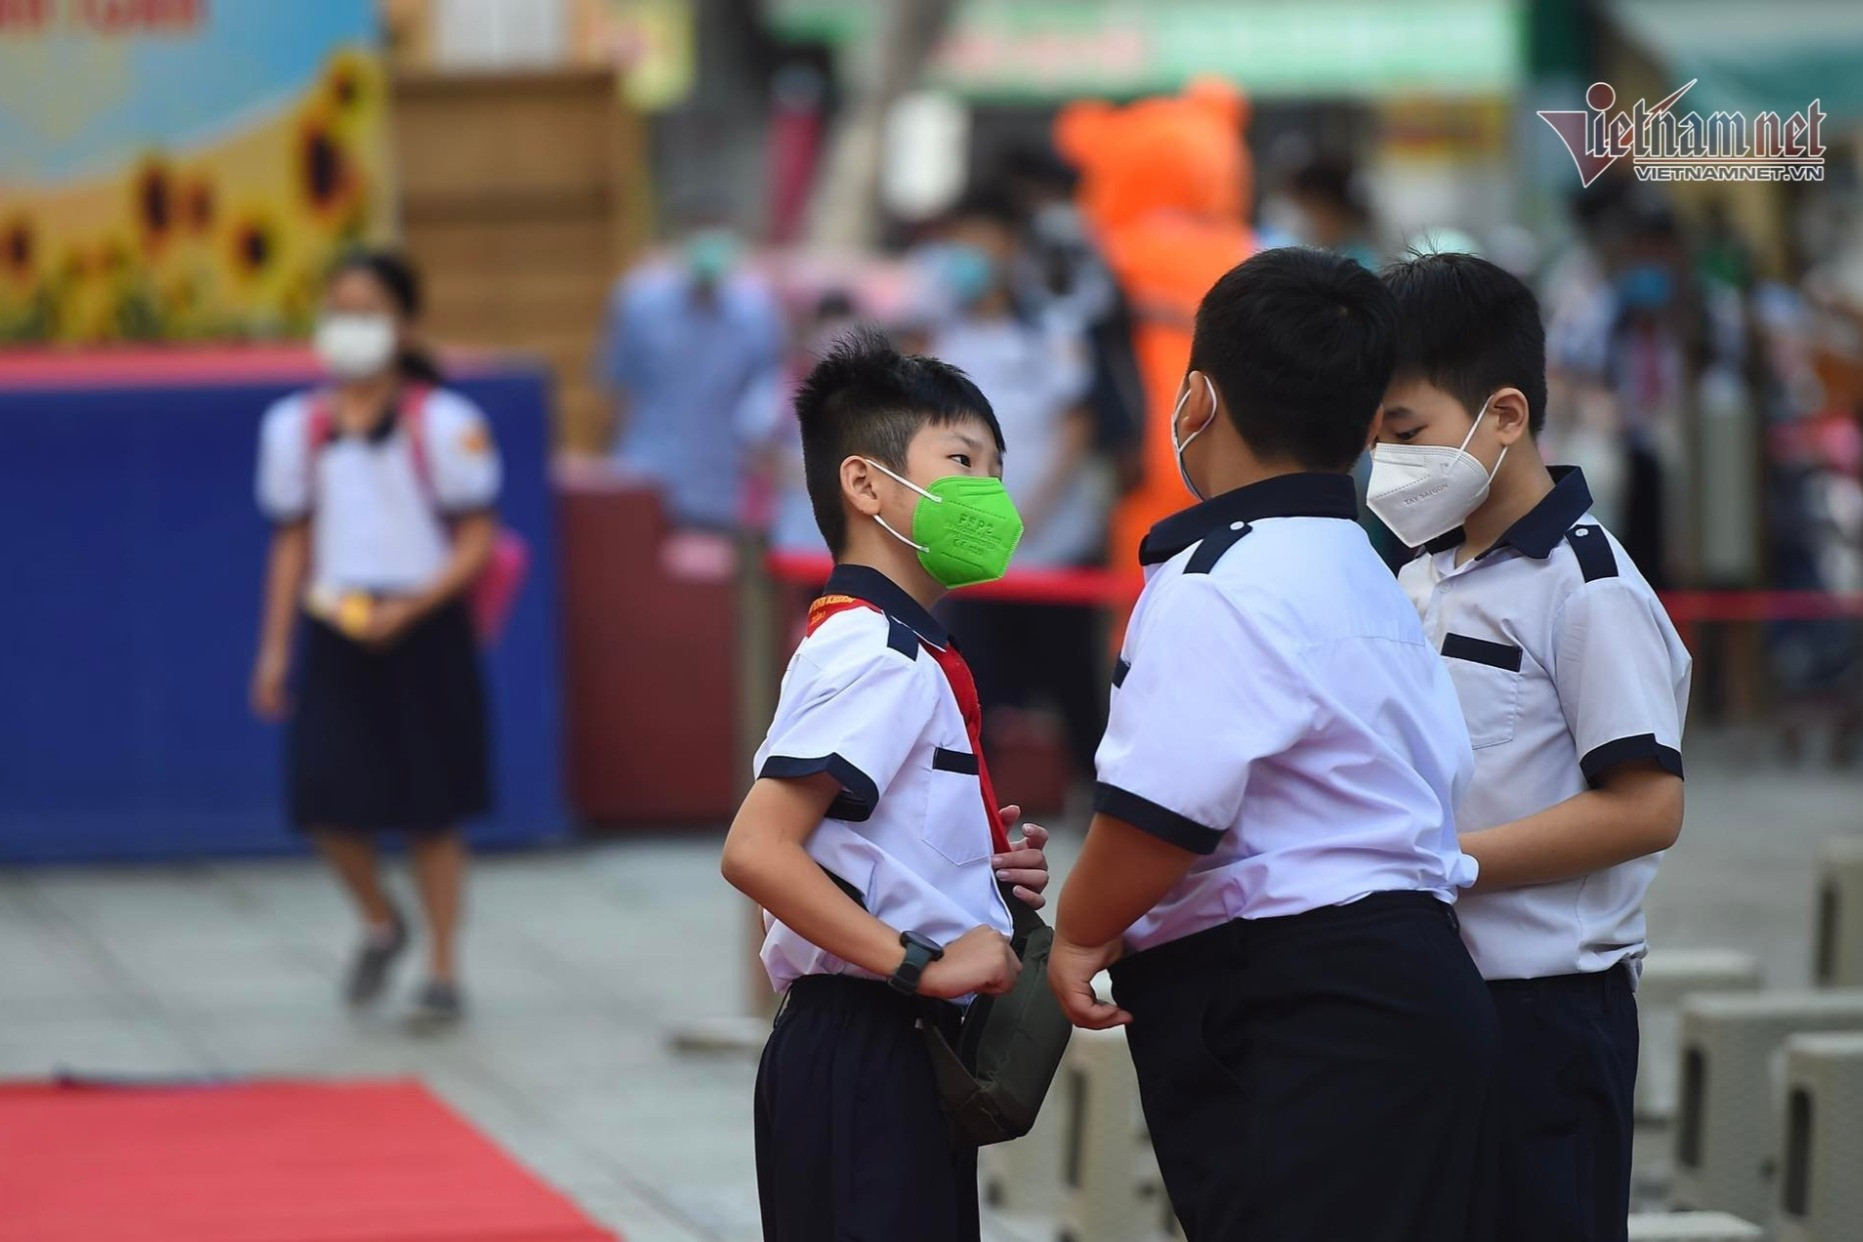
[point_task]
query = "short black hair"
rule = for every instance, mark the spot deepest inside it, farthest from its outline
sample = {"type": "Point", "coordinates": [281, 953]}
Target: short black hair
{"type": "Point", "coordinates": [1471, 328]}
{"type": "Point", "coordinates": [1300, 343]}
{"type": "Point", "coordinates": [867, 399]}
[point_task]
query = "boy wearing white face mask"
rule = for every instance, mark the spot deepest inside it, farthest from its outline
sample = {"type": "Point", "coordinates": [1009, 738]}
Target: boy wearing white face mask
{"type": "Point", "coordinates": [1575, 687]}
{"type": "Point", "coordinates": [1272, 862]}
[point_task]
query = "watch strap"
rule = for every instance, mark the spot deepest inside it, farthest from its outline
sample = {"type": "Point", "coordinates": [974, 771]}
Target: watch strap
{"type": "Point", "coordinates": [920, 953]}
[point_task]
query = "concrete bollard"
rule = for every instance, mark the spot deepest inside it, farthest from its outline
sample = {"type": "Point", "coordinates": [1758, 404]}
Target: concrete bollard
{"type": "Point", "coordinates": [1669, 976]}
{"type": "Point", "coordinates": [1837, 940]}
{"type": "Point", "coordinates": [1821, 1179]}
{"type": "Point", "coordinates": [1692, 1227]}
{"type": "Point", "coordinates": [1110, 1188]}
{"type": "Point", "coordinates": [1726, 1134]}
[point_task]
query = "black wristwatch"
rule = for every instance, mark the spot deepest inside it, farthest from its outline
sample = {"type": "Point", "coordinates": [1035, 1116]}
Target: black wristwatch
{"type": "Point", "coordinates": [920, 953]}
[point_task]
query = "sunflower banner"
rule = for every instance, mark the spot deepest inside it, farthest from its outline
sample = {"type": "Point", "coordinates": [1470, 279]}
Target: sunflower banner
{"type": "Point", "coordinates": [183, 169]}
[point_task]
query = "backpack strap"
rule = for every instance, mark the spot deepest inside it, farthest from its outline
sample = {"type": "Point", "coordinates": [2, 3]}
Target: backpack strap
{"type": "Point", "coordinates": [413, 414]}
{"type": "Point", "coordinates": [320, 429]}
{"type": "Point", "coordinates": [319, 423]}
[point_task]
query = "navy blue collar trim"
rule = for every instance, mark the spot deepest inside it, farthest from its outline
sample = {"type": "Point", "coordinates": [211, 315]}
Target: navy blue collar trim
{"type": "Point", "coordinates": [869, 585]}
{"type": "Point", "coordinates": [1539, 530]}
{"type": "Point", "coordinates": [1285, 495]}
{"type": "Point", "coordinates": [379, 432]}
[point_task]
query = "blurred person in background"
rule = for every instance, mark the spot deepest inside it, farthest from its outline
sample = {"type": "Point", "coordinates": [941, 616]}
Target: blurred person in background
{"type": "Point", "coordinates": [1652, 365]}
{"type": "Point", "coordinates": [1814, 520]}
{"type": "Point", "coordinates": [382, 485]}
{"type": "Point", "coordinates": [1061, 278]}
{"type": "Point", "coordinates": [1328, 209]}
{"type": "Point", "coordinates": [1038, 375]}
{"type": "Point", "coordinates": [691, 338]}
{"type": "Point", "coordinates": [772, 427]}
{"type": "Point", "coordinates": [1583, 427]}
{"type": "Point", "coordinates": [1815, 533]}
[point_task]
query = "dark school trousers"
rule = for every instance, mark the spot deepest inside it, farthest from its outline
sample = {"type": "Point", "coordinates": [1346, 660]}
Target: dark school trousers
{"type": "Point", "coordinates": [851, 1138]}
{"type": "Point", "coordinates": [1320, 1077]}
{"type": "Point", "coordinates": [1568, 1084]}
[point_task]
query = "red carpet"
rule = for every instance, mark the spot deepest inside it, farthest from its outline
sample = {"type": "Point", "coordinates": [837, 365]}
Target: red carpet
{"type": "Point", "coordinates": [369, 1162]}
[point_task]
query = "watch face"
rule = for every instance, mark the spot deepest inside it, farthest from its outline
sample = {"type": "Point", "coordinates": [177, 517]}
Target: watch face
{"type": "Point", "coordinates": [924, 942]}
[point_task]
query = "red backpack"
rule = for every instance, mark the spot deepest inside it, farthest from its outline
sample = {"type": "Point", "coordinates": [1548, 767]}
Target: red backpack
{"type": "Point", "coordinates": [494, 593]}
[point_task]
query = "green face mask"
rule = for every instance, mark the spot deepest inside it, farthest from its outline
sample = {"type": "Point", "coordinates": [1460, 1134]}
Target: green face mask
{"type": "Point", "coordinates": [711, 254]}
{"type": "Point", "coordinates": [965, 528]}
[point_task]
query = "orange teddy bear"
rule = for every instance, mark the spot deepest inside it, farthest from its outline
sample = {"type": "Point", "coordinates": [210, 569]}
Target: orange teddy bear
{"type": "Point", "coordinates": [1164, 184]}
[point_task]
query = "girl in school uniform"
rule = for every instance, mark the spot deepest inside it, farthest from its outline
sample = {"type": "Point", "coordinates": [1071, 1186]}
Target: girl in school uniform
{"type": "Point", "coordinates": [381, 484]}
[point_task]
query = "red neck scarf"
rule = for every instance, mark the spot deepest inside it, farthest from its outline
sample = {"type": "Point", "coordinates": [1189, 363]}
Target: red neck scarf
{"type": "Point", "coordinates": [963, 687]}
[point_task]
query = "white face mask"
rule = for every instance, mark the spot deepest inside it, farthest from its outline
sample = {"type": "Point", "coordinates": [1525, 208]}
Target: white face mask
{"type": "Point", "coordinates": [1178, 446]}
{"type": "Point", "coordinates": [355, 347]}
{"type": "Point", "coordinates": [1424, 491]}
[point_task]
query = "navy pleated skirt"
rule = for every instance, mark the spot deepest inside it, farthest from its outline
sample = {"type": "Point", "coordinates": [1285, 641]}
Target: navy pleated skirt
{"type": "Point", "coordinates": [389, 740]}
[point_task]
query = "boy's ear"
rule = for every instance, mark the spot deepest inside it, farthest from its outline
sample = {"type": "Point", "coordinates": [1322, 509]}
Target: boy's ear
{"type": "Point", "coordinates": [1508, 408]}
{"type": "Point", "coordinates": [1377, 427]}
{"type": "Point", "coordinates": [1200, 407]}
{"type": "Point", "coordinates": [858, 486]}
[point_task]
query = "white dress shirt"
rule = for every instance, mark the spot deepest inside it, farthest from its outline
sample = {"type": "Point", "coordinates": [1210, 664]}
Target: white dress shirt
{"type": "Point", "coordinates": [1277, 711]}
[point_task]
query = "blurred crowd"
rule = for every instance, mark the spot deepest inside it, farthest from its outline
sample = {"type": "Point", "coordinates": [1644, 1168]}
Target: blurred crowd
{"type": "Point", "coordinates": [1691, 381]}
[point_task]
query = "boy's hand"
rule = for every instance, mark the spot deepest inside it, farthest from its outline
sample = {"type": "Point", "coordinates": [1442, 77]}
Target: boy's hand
{"type": "Point", "coordinates": [981, 960]}
{"type": "Point", "coordinates": [1025, 867]}
{"type": "Point", "coordinates": [1071, 968]}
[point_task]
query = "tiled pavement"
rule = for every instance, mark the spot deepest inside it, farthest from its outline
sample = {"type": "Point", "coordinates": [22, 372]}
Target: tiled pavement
{"type": "Point", "coordinates": [583, 962]}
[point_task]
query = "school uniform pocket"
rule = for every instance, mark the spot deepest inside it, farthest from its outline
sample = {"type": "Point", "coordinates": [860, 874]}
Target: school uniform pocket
{"type": "Point", "coordinates": [954, 822]}
{"type": "Point", "coordinates": [1487, 681]}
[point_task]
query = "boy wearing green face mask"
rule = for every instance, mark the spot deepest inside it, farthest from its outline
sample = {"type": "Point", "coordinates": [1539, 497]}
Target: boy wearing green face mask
{"type": "Point", "coordinates": [873, 838]}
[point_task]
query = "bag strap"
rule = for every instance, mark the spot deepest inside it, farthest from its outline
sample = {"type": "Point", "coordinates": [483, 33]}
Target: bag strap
{"type": "Point", "coordinates": [853, 893]}
{"type": "Point", "coordinates": [413, 414]}
{"type": "Point", "coordinates": [1023, 919]}
{"type": "Point", "coordinates": [410, 408]}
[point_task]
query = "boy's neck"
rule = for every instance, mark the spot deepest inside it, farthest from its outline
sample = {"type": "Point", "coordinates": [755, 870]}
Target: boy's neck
{"type": "Point", "coordinates": [1521, 483]}
{"type": "Point", "coordinates": [1233, 468]}
{"type": "Point", "coordinates": [880, 551]}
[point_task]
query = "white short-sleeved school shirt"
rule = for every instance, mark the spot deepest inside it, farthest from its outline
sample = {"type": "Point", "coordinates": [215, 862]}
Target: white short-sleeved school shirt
{"type": "Point", "coordinates": [376, 524]}
{"type": "Point", "coordinates": [1566, 666]}
{"type": "Point", "coordinates": [1276, 710]}
{"type": "Point", "coordinates": [866, 700]}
